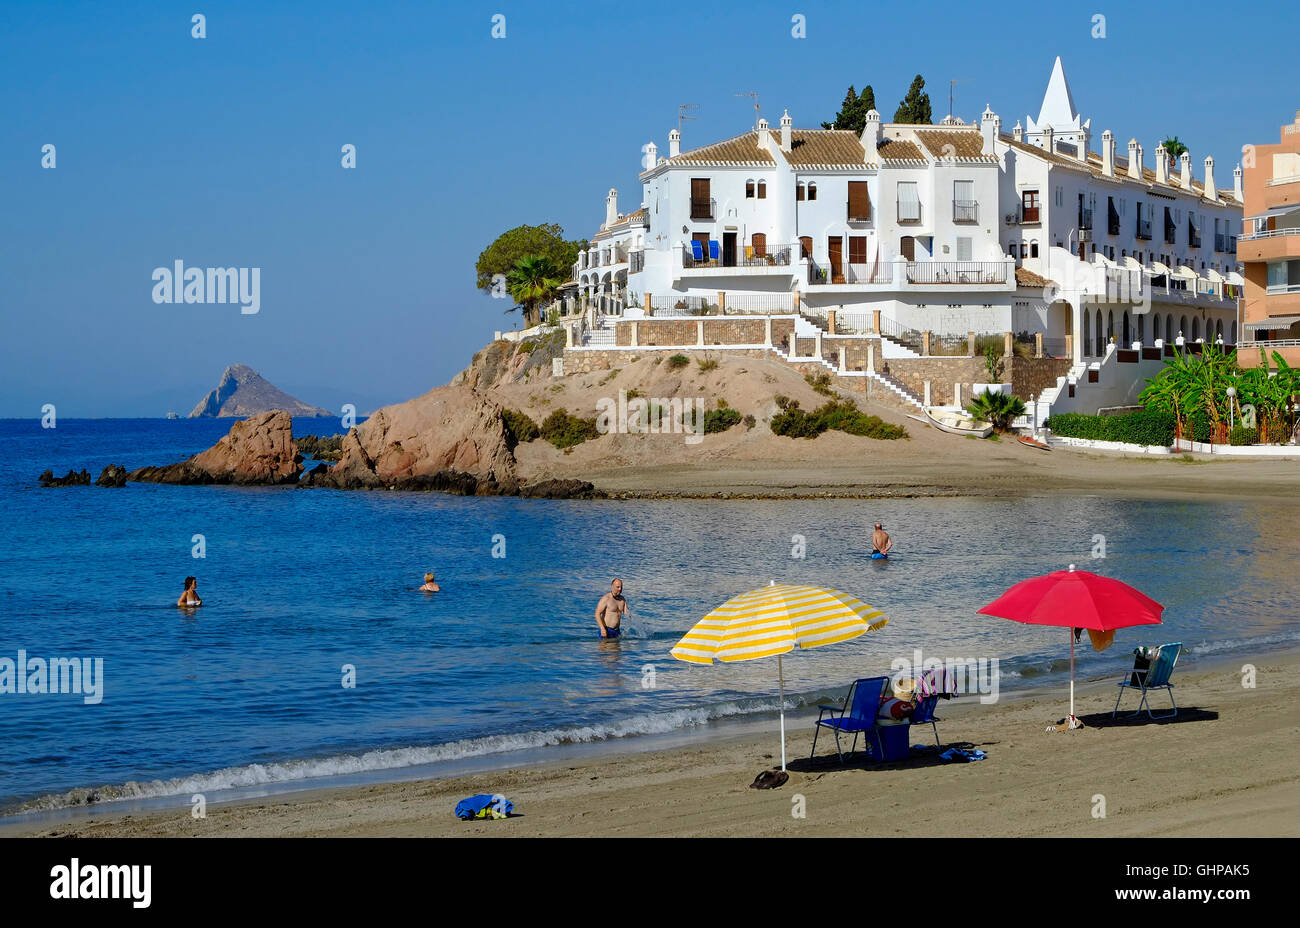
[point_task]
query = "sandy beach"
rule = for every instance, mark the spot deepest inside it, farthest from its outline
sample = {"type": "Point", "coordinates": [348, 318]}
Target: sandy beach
{"type": "Point", "coordinates": [1223, 768]}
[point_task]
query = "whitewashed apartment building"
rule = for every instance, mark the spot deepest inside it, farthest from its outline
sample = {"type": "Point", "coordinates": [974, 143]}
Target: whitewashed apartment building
{"type": "Point", "coordinates": [948, 229]}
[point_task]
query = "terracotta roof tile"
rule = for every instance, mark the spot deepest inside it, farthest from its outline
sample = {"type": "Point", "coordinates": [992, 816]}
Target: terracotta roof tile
{"type": "Point", "coordinates": [1027, 278]}
{"type": "Point", "coordinates": [899, 150]}
{"type": "Point", "coordinates": [824, 148]}
{"type": "Point", "coordinates": [966, 144]}
{"type": "Point", "coordinates": [743, 149]}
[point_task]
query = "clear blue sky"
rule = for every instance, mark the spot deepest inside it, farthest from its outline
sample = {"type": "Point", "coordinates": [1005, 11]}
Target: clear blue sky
{"type": "Point", "coordinates": [225, 151]}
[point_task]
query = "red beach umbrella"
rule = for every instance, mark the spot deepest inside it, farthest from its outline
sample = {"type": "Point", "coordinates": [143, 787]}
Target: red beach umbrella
{"type": "Point", "coordinates": [1075, 599]}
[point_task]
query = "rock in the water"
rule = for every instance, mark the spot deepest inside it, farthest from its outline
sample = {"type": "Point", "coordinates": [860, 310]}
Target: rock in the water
{"type": "Point", "coordinates": [73, 479]}
{"type": "Point", "coordinates": [258, 451]}
{"type": "Point", "coordinates": [114, 475]}
{"type": "Point", "coordinates": [562, 489]}
{"type": "Point", "coordinates": [245, 392]}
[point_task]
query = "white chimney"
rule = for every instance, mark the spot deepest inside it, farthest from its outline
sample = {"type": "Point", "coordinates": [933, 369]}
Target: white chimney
{"type": "Point", "coordinates": [1018, 132]}
{"type": "Point", "coordinates": [1211, 191]}
{"type": "Point", "coordinates": [871, 138]}
{"type": "Point", "coordinates": [611, 207]}
{"type": "Point", "coordinates": [786, 131]}
{"type": "Point", "coordinates": [651, 156]}
{"type": "Point", "coordinates": [1185, 170]}
{"type": "Point", "coordinates": [990, 129]}
{"type": "Point", "coordinates": [1108, 153]}
{"type": "Point", "coordinates": [1085, 139]}
{"type": "Point", "coordinates": [1162, 165]}
{"type": "Point", "coordinates": [764, 134]}
{"type": "Point", "coordinates": [1134, 159]}
{"type": "Point", "coordinates": [1236, 184]}
{"type": "Point", "coordinates": [674, 143]}
{"type": "Point", "coordinates": [1049, 139]}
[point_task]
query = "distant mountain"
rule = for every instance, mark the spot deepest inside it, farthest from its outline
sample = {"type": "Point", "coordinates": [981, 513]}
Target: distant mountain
{"type": "Point", "coordinates": [245, 392]}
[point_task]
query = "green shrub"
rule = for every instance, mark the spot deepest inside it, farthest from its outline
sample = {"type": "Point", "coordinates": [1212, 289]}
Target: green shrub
{"type": "Point", "coordinates": [749, 421]}
{"type": "Point", "coordinates": [842, 415]}
{"type": "Point", "coordinates": [528, 346]}
{"type": "Point", "coordinates": [720, 419]}
{"type": "Point", "coordinates": [634, 393]}
{"type": "Point", "coordinates": [678, 361]}
{"type": "Point", "coordinates": [1243, 436]}
{"type": "Point", "coordinates": [519, 428]}
{"type": "Point", "coordinates": [328, 448]}
{"type": "Point", "coordinates": [821, 382]}
{"type": "Point", "coordinates": [1144, 427]}
{"type": "Point", "coordinates": [564, 431]}
{"type": "Point", "coordinates": [708, 364]}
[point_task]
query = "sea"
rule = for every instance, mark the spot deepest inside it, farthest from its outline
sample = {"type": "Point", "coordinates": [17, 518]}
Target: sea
{"type": "Point", "coordinates": [315, 661]}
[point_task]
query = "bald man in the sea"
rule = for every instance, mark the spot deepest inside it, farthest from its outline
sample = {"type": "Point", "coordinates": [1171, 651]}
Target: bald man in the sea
{"type": "Point", "coordinates": [611, 609]}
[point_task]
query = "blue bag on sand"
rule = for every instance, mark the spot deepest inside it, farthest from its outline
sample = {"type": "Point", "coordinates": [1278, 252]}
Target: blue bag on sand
{"type": "Point", "coordinates": [961, 756]}
{"type": "Point", "coordinates": [484, 806]}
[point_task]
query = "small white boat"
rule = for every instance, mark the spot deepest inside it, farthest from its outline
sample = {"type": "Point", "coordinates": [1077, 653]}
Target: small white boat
{"type": "Point", "coordinates": [957, 422]}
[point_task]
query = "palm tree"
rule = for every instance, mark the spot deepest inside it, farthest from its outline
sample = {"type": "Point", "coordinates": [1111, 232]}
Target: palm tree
{"type": "Point", "coordinates": [1174, 147]}
{"type": "Point", "coordinates": [532, 281]}
{"type": "Point", "coordinates": [997, 408]}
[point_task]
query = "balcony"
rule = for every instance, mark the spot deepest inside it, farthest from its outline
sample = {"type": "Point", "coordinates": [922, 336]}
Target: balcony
{"type": "Point", "coordinates": [1085, 219]}
{"type": "Point", "coordinates": [852, 275]}
{"type": "Point", "coordinates": [1193, 237]}
{"type": "Point", "coordinates": [636, 261]}
{"type": "Point", "coordinates": [1171, 233]}
{"type": "Point", "coordinates": [1144, 229]}
{"type": "Point", "coordinates": [965, 211]}
{"type": "Point", "coordinates": [703, 208]}
{"type": "Point", "coordinates": [957, 272]}
{"type": "Point", "coordinates": [1024, 216]}
{"type": "Point", "coordinates": [1282, 191]}
{"type": "Point", "coordinates": [1112, 225]}
{"type": "Point", "coordinates": [771, 259]}
{"type": "Point", "coordinates": [1271, 245]}
{"type": "Point", "coordinates": [1220, 241]}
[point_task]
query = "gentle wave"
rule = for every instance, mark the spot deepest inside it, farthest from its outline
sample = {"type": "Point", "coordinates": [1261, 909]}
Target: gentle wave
{"type": "Point", "coordinates": [254, 775]}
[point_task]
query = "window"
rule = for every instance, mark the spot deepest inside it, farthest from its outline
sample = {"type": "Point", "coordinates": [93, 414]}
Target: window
{"type": "Point", "coordinates": [799, 191]}
{"type": "Point", "coordinates": [963, 249]}
{"type": "Point", "coordinates": [805, 246]}
{"type": "Point", "coordinates": [701, 204]}
{"type": "Point", "coordinates": [1033, 248]}
{"type": "Point", "coordinates": [762, 190]}
{"type": "Point", "coordinates": [749, 190]}
{"type": "Point", "coordinates": [812, 191]}
{"type": "Point", "coordinates": [1029, 206]}
{"type": "Point", "coordinates": [909, 202]}
{"type": "Point", "coordinates": [859, 201]}
{"type": "Point", "coordinates": [964, 207]}
{"type": "Point", "coordinates": [759, 243]}
{"type": "Point", "coordinates": [1060, 196]}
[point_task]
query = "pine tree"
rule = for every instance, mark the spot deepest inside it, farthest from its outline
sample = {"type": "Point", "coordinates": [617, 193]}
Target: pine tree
{"type": "Point", "coordinates": [853, 111]}
{"type": "Point", "coordinates": [915, 107]}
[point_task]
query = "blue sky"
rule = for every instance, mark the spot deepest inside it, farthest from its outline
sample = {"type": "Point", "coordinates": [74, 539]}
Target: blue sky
{"type": "Point", "coordinates": [225, 151]}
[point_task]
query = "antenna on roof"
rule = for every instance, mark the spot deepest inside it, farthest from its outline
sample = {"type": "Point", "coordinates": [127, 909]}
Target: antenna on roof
{"type": "Point", "coordinates": [681, 113]}
{"type": "Point", "coordinates": [754, 94]}
{"type": "Point", "coordinates": [960, 80]}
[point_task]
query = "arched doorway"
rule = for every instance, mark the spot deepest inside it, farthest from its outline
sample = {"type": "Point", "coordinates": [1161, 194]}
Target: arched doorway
{"type": "Point", "coordinates": [1101, 345]}
{"type": "Point", "coordinates": [1087, 336]}
{"type": "Point", "coordinates": [1196, 328]}
{"type": "Point", "coordinates": [1128, 340]}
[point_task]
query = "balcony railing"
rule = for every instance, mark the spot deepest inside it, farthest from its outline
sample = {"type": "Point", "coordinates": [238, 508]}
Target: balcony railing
{"type": "Point", "coordinates": [849, 212]}
{"type": "Point", "coordinates": [965, 211]}
{"type": "Point", "coordinates": [1112, 224]}
{"type": "Point", "coordinates": [703, 208]}
{"type": "Point", "coordinates": [1220, 241]}
{"type": "Point", "coordinates": [1144, 229]}
{"type": "Point", "coordinates": [880, 273]}
{"type": "Point", "coordinates": [1193, 238]}
{"type": "Point", "coordinates": [770, 256]}
{"type": "Point", "coordinates": [636, 262]}
{"type": "Point", "coordinates": [957, 272]}
{"type": "Point", "coordinates": [1171, 233]}
{"type": "Point", "coordinates": [1025, 215]}
{"type": "Point", "coordinates": [1085, 219]}
{"type": "Point", "coordinates": [1268, 233]}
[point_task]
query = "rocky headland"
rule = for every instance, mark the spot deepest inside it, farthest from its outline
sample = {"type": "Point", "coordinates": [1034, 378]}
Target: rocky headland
{"type": "Point", "coordinates": [244, 392]}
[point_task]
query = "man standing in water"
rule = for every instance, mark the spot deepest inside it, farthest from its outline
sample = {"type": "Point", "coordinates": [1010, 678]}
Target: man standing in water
{"type": "Point", "coordinates": [611, 609]}
{"type": "Point", "coordinates": [880, 540]}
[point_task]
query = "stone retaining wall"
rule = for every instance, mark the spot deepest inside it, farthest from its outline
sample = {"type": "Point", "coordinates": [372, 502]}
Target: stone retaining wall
{"type": "Point", "coordinates": [654, 332]}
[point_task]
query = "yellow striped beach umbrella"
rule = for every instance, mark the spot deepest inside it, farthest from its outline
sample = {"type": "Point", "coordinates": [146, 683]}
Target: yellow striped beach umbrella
{"type": "Point", "coordinates": [774, 620]}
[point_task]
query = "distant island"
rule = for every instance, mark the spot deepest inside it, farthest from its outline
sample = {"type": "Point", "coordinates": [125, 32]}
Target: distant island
{"type": "Point", "coordinates": [245, 392]}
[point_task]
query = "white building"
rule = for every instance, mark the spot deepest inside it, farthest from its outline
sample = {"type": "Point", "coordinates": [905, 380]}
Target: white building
{"type": "Point", "coordinates": [949, 229]}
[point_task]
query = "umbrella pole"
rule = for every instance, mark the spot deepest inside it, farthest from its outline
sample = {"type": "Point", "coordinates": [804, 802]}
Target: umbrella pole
{"type": "Point", "coordinates": [1070, 721]}
{"type": "Point", "coordinates": [780, 675]}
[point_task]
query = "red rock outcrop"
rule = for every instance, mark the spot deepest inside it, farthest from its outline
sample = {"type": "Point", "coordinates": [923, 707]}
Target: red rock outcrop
{"type": "Point", "coordinates": [257, 451]}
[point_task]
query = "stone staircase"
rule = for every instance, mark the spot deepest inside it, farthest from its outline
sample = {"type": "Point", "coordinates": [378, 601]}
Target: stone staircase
{"type": "Point", "coordinates": [602, 336]}
{"type": "Point", "coordinates": [903, 391]}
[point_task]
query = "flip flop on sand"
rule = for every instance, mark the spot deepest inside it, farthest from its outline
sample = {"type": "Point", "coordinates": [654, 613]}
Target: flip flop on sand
{"type": "Point", "coordinates": [770, 779]}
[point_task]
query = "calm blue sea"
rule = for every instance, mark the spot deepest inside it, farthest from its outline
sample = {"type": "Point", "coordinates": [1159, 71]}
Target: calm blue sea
{"type": "Point", "coordinates": [298, 583]}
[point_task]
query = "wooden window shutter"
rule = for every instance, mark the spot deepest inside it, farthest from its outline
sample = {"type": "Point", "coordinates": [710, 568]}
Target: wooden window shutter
{"type": "Point", "coordinates": [805, 246]}
{"type": "Point", "coordinates": [857, 249]}
{"type": "Point", "coordinates": [762, 190]}
{"type": "Point", "coordinates": [859, 200]}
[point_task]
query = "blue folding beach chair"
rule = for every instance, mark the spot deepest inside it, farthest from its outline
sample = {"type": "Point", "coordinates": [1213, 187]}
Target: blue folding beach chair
{"type": "Point", "coordinates": [697, 251]}
{"type": "Point", "coordinates": [713, 251]}
{"type": "Point", "coordinates": [924, 715]}
{"type": "Point", "coordinates": [856, 716]}
{"type": "Point", "coordinates": [1154, 678]}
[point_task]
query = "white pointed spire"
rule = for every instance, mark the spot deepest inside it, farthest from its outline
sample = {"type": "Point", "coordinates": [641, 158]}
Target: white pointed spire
{"type": "Point", "coordinates": [1058, 102]}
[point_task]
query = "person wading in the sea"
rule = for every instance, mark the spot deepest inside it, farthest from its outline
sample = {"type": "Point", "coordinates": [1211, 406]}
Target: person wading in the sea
{"type": "Point", "coordinates": [880, 540]}
{"type": "Point", "coordinates": [611, 609]}
{"type": "Point", "coordinates": [191, 595]}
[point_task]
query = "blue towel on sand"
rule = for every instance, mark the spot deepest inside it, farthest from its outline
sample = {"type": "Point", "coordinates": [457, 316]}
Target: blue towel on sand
{"type": "Point", "coordinates": [484, 806]}
{"type": "Point", "coordinates": [961, 756]}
